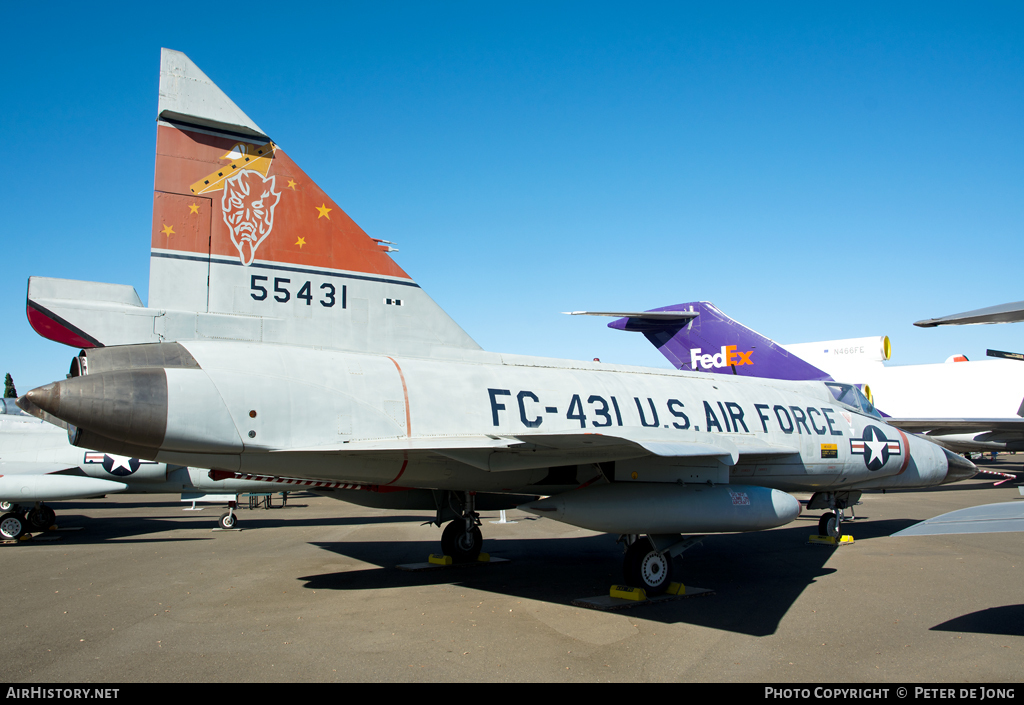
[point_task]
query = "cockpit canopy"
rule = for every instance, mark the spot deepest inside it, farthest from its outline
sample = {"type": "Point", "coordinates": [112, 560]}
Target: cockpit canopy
{"type": "Point", "coordinates": [851, 397]}
{"type": "Point", "coordinates": [7, 407]}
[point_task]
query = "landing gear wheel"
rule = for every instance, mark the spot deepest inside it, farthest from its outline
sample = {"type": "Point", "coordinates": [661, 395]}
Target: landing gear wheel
{"type": "Point", "coordinates": [12, 527]}
{"type": "Point", "coordinates": [646, 568]}
{"type": "Point", "coordinates": [41, 518]}
{"type": "Point", "coordinates": [6, 506]}
{"type": "Point", "coordinates": [828, 526]}
{"type": "Point", "coordinates": [227, 521]}
{"type": "Point", "coordinates": [462, 547]}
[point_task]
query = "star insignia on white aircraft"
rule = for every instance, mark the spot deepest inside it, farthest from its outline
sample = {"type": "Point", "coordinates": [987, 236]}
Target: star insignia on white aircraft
{"type": "Point", "coordinates": [119, 465]}
{"type": "Point", "coordinates": [875, 447]}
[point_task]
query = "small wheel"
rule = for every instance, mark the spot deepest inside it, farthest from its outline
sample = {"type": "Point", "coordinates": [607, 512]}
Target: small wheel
{"type": "Point", "coordinates": [646, 568]}
{"type": "Point", "coordinates": [6, 506]}
{"type": "Point", "coordinates": [12, 527]}
{"type": "Point", "coordinates": [227, 521]}
{"type": "Point", "coordinates": [827, 525]}
{"type": "Point", "coordinates": [41, 518]}
{"type": "Point", "coordinates": [462, 547]}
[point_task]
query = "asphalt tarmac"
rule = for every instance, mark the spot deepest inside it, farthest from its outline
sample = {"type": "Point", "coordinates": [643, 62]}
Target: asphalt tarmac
{"type": "Point", "coordinates": [147, 592]}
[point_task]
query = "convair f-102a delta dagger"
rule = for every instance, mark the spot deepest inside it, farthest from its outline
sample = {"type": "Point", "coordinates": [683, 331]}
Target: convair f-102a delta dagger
{"type": "Point", "coordinates": [282, 341]}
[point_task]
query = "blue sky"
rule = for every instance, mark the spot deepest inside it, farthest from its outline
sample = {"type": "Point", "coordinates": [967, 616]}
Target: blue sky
{"type": "Point", "coordinates": [817, 170]}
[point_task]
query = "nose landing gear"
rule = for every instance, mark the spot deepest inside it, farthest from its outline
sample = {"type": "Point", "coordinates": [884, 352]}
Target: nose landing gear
{"type": "Point", "coordinates": [643, 566]}
{"type": "Point", "coordinates": [831, 522]}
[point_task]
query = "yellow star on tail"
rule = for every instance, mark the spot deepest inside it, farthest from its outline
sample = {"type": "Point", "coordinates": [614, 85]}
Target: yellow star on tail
{"type": "Point", "coordinates": [324, 210]}
{"type": "Point", "coordinates": [193, 209]}
{"type": "Point", "coordinates": [301, 242]}
{"type": "Point", "coordinates": [168, 230]}
{"type": "Point", "coordinates": [291, 184]}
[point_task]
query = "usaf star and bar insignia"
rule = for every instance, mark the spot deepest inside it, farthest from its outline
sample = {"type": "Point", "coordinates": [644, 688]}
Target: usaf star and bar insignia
{"type": "Point", "coordinates": [116, 464]}
{"type": "Point", "coordinates": [875, 447]}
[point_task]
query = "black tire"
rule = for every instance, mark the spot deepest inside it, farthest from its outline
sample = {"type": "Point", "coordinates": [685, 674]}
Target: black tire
{"type": "Point", "coordinates": [456, 543]}
{"type": "Point", "coordinates": [7, 506]}
{"type": "Point", "coordinates": [227, 521]}
{"type": "Point", "coordinates": [827, 525]}
{"type": "Point", "coordinates": [12, 526]}
{"type": "Point", "coordinates": [40, 519]}
{"type": "Point", "coordinates": [645, 568]}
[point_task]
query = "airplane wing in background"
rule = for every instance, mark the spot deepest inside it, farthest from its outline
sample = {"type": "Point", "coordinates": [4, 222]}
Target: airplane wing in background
{"type": "Point", "coordinates": [986, 519]}
{"type": "Point", "coordinates": [939, 427]}
{"type": "Point", "coordinates": [656, 316]}
{"type": "Point", "coordinates": [1003, 313]}
{"type": "Point", "coordinates": [968, 435]}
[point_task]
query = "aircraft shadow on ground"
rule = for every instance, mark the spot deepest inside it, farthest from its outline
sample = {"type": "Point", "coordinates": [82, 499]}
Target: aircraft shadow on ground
{"type": "Point", "coordinates": [128, 529]}
{"type": "Point", "coordinates": [757, 576]}
{"type": "Point", "coordinates": [151, 501]}
{"type": "Point", "coordinates": [1007, 620]}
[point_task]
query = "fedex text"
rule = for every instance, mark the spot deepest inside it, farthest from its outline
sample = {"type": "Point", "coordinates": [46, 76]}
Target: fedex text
{"type": "Point", "coordinates": [729, 356]}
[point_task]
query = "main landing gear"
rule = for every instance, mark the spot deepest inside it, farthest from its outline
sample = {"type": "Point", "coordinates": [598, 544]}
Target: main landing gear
{"type": "Point", "coordinates": [40, 517]}
{"type": "Point", "coordinates": [12, 526]}
{"type": "Point", "coordinates": [461, 539]}
{"type": "Point", "coordinates": [16, 522]}
{"type": "Point", "coordinates": [643, 566]}
{"type": "Point", "coordinates": [648, 560]}
{"type": "Point", "coordinates": [228, 521]}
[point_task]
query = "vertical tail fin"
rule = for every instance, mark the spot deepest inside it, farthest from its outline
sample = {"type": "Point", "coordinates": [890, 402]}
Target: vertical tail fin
{"type": "Point", "coordinates": [247, 242]}
{"type": "Point", "coordinates": [713, 342]}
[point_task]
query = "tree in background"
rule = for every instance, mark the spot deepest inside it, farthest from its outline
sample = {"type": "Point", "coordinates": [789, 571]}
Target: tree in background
{"type": "Point", "coordinates": [9, 391]}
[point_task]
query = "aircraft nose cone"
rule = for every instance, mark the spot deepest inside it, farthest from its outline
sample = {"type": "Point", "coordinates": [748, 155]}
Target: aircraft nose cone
{"type": "Point", "coordinates": [958, 468]}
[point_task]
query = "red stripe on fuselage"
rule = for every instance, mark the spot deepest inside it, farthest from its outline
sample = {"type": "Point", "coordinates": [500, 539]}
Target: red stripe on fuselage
{"type": "Point", "coordinates": [408, 422]}
{"type": "Point", "coordinates": [906, 456]}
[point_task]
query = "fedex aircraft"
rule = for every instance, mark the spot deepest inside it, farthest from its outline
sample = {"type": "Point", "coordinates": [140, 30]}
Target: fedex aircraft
{"type": "Point", "coordinates": [964, 406]}
{"type": "Point", "coordinates": [281, 341]}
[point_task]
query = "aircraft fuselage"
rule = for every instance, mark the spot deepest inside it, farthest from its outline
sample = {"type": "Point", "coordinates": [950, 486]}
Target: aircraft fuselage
{"type": "Point", "coordinates": [493, 423]}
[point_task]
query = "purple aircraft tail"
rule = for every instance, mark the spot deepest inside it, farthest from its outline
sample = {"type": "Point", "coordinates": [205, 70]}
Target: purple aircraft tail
{"type": "Point", "coordinates": [710, 341]}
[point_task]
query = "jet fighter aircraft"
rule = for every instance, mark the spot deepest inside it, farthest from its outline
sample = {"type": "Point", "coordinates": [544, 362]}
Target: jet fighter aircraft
{"type": "Point", "coordinates": [283, 341]}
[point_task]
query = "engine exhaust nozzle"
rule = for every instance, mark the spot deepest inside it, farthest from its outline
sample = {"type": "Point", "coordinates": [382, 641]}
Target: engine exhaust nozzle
{"type": "Point", "coordinates": [124, 405]}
